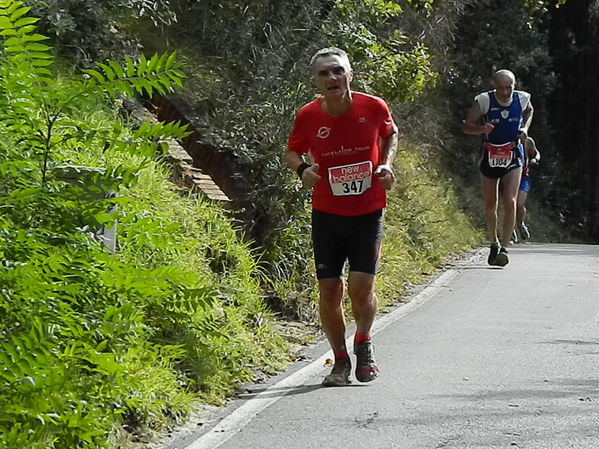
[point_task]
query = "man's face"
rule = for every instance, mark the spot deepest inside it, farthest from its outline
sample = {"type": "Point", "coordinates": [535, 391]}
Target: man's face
{"type": "Point", "coordinates": [332, 77]}
{"type": "Point", "coordinates": [504, 88]}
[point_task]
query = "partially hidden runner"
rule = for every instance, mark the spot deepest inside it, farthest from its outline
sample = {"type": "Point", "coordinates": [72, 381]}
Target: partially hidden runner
{"type": "Point", "coordinates": [502, 116]}
{"type": "Point", "coordinates": [532, 157]}
{"type": "Point", "coordinates": [351, 140]}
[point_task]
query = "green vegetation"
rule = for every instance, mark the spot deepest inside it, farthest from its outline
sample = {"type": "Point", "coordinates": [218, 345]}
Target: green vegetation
{"type": "Point", "coordinates": [424, 225]}
{"type": "Point", "coordinates": [93, 342]}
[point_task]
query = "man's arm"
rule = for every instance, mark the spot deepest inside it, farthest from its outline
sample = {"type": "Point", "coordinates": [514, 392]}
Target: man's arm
{"type": "Point", "coordinates": [388, 148]}
{"type": "Point", "coordinates": [526, 120]}
{"type": "Point", "coordinates": [471, 125]}
{"type": "Point", "coordinates": [533, 154]}
{"type": "Point", "coordinates": [309, 174]}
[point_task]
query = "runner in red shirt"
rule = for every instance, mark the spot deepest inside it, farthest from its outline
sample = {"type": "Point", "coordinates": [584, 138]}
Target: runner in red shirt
{"type": "Point", "coordinates": [351, 140]}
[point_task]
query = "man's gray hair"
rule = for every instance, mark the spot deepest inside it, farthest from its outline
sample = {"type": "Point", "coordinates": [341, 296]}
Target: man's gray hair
{"type": "Point", "coordinates": [331, 51]}
{"type": "Point", "coordinates": [504, 74]}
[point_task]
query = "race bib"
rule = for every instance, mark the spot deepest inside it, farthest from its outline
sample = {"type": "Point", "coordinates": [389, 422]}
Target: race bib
{"type": "Point", "coordinates": [499, 156]}
{"type": "Point", "coordinates": [352, 179]}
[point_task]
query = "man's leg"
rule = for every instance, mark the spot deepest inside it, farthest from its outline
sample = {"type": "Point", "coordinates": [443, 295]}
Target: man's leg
{"type": "Point", "coordinates": [333, 323]}
{"type": "Point", "coordinates": [521, 214]}
{"type": "Point", "coordinates": [521, 207]}
{"type": "Point", "coordinates": [363, 300]}
{"type": "Point", "coordinates": [510, 182]}
{"type": "Point", "coordinates": [364, 305]}
{"type": "Point", "coordinates": [331, 313]}
{"type": "Point", "coordinates": [489, 189]}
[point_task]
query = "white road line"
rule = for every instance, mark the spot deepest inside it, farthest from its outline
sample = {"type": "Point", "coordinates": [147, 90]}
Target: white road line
{"type": "Point", "coordinates": [241, 416]}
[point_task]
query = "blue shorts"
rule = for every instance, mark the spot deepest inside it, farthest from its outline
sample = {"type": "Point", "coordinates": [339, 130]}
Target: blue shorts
{"type": "Point", "coordinates": [525, 184]}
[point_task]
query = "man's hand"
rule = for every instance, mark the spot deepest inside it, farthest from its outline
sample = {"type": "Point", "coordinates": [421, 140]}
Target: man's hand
{"type": "Point", "coordinates": [310, 176]}
{"type": "Point", "coordinates": [487, 128]}
{"type": "Point", "coordinates": [522, 134]}
{"type": "Point", "coordinates": [386, 176]}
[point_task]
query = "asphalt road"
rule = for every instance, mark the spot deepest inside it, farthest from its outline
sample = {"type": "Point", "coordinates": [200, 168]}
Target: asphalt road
{"type": "Point", "coordinates": [486, 357]}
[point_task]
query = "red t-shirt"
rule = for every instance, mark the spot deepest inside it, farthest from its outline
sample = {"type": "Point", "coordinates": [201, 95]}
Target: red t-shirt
{"type": "Point", "coordinates": [347, 151]}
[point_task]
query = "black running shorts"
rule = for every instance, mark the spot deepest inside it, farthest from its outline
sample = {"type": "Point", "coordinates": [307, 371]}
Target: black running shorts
{"type": "Point", "coordinates": [337, 238]}
{"type": "Point", "coordinates": [496, 172]}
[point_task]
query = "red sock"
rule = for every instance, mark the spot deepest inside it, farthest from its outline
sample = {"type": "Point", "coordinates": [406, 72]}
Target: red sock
{"type": "Point", "coordinates": [359, 338]}
{"type": "Point", "coordinates": [341, 355]}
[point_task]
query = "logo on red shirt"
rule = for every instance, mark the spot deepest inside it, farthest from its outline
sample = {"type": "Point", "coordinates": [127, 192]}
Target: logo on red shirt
{"type": "Point", "coordinates": [323, 132]}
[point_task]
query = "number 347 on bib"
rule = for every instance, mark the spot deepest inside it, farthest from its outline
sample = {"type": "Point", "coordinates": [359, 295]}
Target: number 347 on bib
{"type": "Point", "coordinates": [352, 179]}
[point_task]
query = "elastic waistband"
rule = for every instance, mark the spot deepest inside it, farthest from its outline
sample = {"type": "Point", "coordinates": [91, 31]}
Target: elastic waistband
{"type": "Point", "coordinates": [501, 147]}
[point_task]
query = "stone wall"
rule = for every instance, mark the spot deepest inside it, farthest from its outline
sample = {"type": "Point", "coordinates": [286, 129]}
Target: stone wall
{"type": "Point", "coordinates": [189, 172]}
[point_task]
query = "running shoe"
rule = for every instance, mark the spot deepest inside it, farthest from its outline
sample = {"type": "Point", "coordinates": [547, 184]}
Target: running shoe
{"type": "Point", "coordinates": [502, 259]}
{"type": "Point", "coordinates": [339, 376]}
{"type": "Point", "coordinates": [524, 232]}
{"type": "Point", "coordinates": [514, 237]}
{"type": "Point", "coordinates": [366, 369]}
{"type": "Point", "coordinates": [494, 250]}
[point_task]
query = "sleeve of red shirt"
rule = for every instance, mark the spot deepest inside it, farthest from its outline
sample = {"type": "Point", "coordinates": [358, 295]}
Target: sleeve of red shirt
{"type": "Point", "coordinates": [298, 139]}
{"type": "Point", "coordinates": [386, 122]}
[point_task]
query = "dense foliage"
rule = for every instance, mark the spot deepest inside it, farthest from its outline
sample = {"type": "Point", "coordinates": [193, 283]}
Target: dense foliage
{"type": "Point", "coordinates": [574, 33]}
{"type": "Point", "coordinates": [94, 343]}
{"type": "Point", "coordinates": [250, 74]}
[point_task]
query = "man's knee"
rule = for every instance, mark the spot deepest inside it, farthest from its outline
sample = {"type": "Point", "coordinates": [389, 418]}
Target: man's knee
{"type": "Point", "coordinates": [360, 286]}
{"type": "Point", "coordinates": [331, 292]}
{"type": "Point", "coordinates": [510, 203]}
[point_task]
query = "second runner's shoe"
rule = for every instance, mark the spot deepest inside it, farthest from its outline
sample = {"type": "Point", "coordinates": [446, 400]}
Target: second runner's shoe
{"type": "Point", "coordinates": [366, 369]}
{"type": "Point", "coordinates": [524, 232]}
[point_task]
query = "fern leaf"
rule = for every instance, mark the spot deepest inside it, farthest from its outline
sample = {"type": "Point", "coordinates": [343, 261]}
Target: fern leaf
{"type": "Point", "coordinates": [41, 62]}
{"type": "Point", "coordinates": [34, 38]}
{"type": "Point", "coordinates": [25, 21]}
{"type": "Point", "coordinates": [117, 69]}
{"type": "Point", "coordinates": [97, 75]}
{"type": "Point", "coordinates": [11, 42]}
{"type": "Point", "coordinates": [19, 13]}
{"type": "Point", "coordinates": [141, 68]}
{"type": "Point", "coordinates": [170, 62]}
{"type": "Point", "coordinates": [107, 71]}
{"type": "Point", "coordinates": [130, 67]}
{"type": "Point", "coordinates": [37, 47]}
{"type": "Point", "coordinates": [26, 29]}
{"type": "Point", "coordinates": [152, 65]}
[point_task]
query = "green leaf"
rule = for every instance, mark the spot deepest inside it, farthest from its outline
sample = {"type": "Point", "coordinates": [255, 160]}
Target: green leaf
{"type": "Point", "coordinates": [107, 71]}
{"type": "Point", "coordinates": [19, 13]}
{"type": "Point", "coordinates": [34, 38]}
{"type": "Point", "coordinates": [41, 62]}
{"type": "Point", "coordinates": [37, 47]}
{"type": "Point", "coordinates": [26, 29]}
{"type": "Point", "coordinates": [153, 64]}
{"type": "Point", "coordinates": [171, 60]}
{"type": "Point", "coordinates": [12, 41]}
{"type": "Point", "coordinates": [141, 68]}
{"type": "Point", "coordinates": [130, 66]}
{"type": "Point", "coordinates": [97, 75]}
{"type": "Point", "coordinates": [25, 21]}
{"type": "Point", "coordinates": [117, 69]}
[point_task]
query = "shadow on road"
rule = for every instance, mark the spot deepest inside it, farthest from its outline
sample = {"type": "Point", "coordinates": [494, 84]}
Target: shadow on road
{"type": "Point", "coordinates": [279, 392]}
